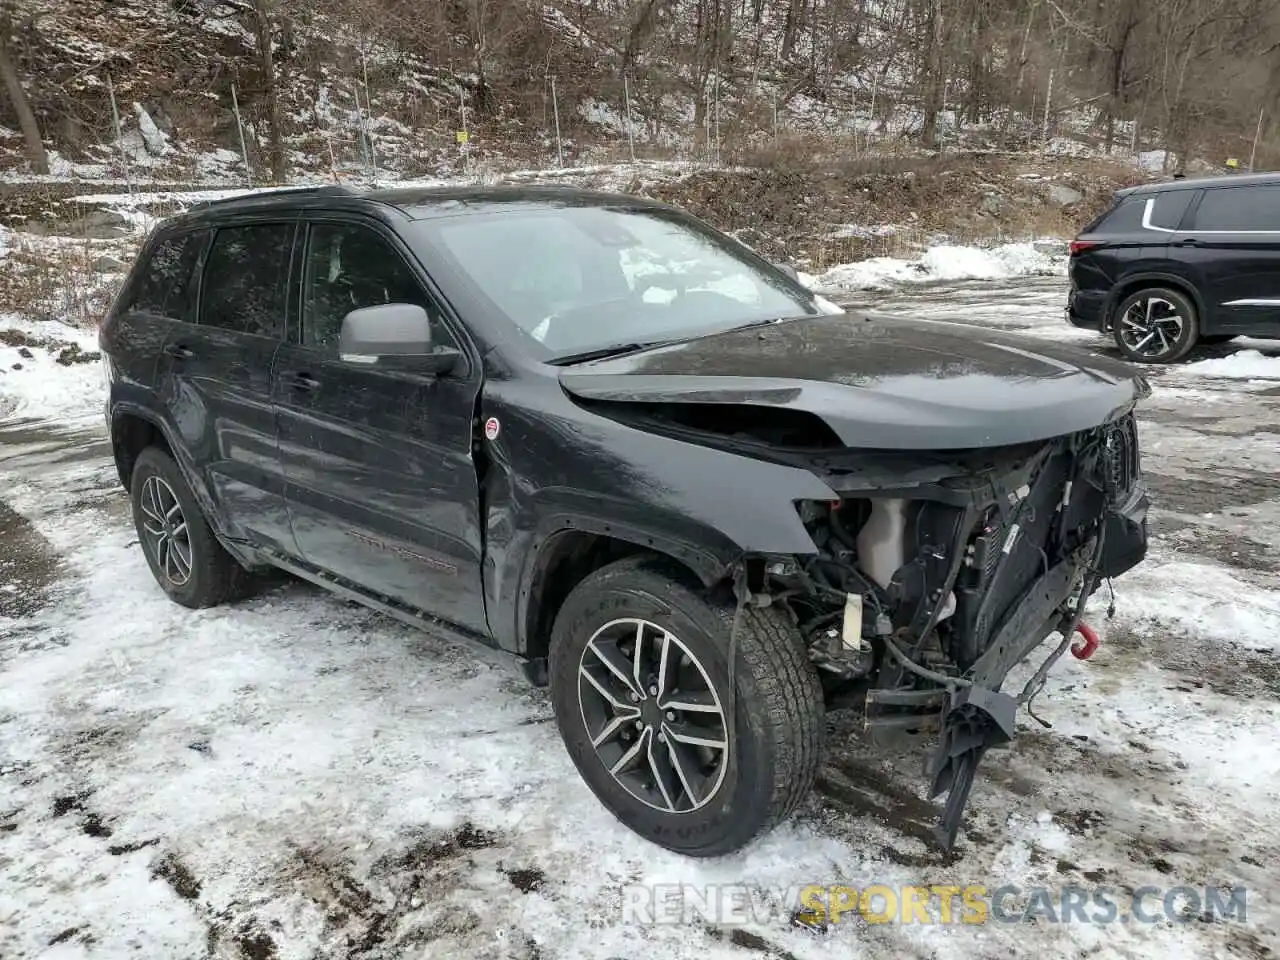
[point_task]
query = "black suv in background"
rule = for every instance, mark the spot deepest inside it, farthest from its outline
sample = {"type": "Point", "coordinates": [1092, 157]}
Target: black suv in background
{"type": "Point", "coordinates": [1175, 264]}
{"type": "Point", "coordinates": [702, 504]}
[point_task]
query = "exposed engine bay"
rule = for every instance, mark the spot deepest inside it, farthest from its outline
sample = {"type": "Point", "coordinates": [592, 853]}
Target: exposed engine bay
{"type": "Point", "coordinates": [937, 573]}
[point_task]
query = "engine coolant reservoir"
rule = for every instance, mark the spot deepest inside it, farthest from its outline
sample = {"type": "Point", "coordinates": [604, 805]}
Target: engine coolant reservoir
{"type": "Point", "coordinates": [882, 545]}
{"type": "Point", "coordinates": [881, 541]}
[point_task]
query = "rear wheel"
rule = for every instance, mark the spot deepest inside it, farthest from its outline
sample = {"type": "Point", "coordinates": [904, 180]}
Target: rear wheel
{"type": "Point", "coordinates": [1156, 325]}
{"type": "Point", "coordinates": [184, 555]}
{"type": "Point", "coordinates": [640, 681]}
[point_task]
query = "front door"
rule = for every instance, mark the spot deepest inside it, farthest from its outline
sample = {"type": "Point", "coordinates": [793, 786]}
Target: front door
{"type": "Point", "coordinates": [216, 380]}
{"type": "Point", "coordinates": [381, 485]}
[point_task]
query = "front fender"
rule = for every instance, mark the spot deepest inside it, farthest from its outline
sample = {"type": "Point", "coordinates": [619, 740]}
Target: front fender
{"type": "Point", "coordinates": [553, 471]}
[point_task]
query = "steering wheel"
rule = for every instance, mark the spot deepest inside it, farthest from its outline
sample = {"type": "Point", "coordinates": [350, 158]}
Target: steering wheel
{"type": "Point", "coordinates": [569, 318]}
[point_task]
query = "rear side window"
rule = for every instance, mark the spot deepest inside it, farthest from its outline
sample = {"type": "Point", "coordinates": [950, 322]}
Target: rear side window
{"type": "Point", "coordinates": [166, 287]}
{"type": "Point", "coordinates": [1097, 221]}
{"type": "Point", "coordinates": [245, 279]}
{"type": "Point", "coordinates": [1125, 217]}
{"type": "Point", "coordinates": [1169, 208]}
{"type": "Point", "coordinates": [1240, 208]}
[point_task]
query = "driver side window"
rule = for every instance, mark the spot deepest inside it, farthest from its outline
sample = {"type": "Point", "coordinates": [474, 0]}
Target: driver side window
{"type": "Point", "coordinates": [348, 267]}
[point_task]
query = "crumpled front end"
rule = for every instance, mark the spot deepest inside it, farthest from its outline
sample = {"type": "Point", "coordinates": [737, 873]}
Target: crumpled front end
{"type": "Point", "coordinates": [937, 573]}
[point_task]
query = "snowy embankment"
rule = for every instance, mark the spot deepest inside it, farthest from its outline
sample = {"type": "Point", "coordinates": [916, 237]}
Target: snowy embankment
{"type": "Point", "coordinates": [945, 262]}
{"type": "Point", "coordinates": [48, 370]}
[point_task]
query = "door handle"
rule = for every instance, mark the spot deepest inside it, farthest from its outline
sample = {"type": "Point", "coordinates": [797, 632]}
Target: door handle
{"type": "Point", "coordinates": [303, 381]}
{"type": "Point", "coordinates": [1187, 242]}
{"type": "Point", "coordinates": [178, 351]}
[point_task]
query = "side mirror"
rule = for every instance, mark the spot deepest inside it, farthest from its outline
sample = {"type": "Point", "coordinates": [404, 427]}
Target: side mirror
{"type": "Point", "coordinates": [789, 270]}
{"type": "Point", "coordinates": [392, 330]}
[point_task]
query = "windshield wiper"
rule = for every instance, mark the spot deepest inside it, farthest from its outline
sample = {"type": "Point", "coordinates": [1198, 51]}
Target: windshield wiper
{"type": "Point", "coordinates": [602, 353]}
{"type": "Point", "coordinates": [767, 322]}
{"type": "Point", "coordinates": [622, 349]}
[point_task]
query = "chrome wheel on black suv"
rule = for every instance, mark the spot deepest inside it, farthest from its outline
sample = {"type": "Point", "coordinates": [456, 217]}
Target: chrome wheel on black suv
{"type": "Point", "coordinates": [655, 719]}
{"type": "Point", "coordinates": [1156, 325]}
{"type": "Point", "coordinates": [166, 534]}
{"type": "Point", "coordinates": [182, 552]}
{"type": "Point", "coordinates": [677, 750]}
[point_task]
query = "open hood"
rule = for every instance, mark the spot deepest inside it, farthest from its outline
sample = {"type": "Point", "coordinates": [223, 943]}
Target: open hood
{"type": "Point", "coordinates": [886, 384]}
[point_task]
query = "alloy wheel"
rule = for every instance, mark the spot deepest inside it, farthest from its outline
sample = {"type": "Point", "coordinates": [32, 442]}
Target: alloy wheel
{"type": "Point", "coordinates": [1151, 327]}
{"type": "Point", "coordinates": [653, 715]}
{"type": "Point", "coordinates": [166, 531]}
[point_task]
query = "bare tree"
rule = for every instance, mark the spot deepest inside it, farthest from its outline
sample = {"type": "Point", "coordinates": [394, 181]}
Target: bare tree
{"type": "Point", "coordinates": [263, 11]}
{"type": "Point", "coordinates": [18, 97]}
{"type": "Point", "coordinates": [933, 80]}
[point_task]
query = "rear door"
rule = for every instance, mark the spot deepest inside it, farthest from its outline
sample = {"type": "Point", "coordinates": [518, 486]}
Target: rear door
{"type": "Point", "coordinates": [1235, 241]}
{"type": "Point", "coordinates": [216, 381]}
{"type": "Point", "coordinates": [160, 294]}
{"type": "Point", "coordinates": [382, 487]}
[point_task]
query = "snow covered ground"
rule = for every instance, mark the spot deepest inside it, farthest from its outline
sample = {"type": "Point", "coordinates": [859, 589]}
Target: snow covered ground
{"type": "Point", "coordinates": [944, 262]}
{"type": "Point", "coordinates": [34, 384]}
{"type": "Point", "coordinates": [296, 777]}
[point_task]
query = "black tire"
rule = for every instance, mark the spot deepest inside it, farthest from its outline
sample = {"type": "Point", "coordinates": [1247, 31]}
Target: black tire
{"type": "Point", "coordinates": [777, 709]}
{"type": "Point", "coordinates": [1156, 325]}
{"type": "Point", "coordinates": [1215, 338]}
{"type": "Point", "coordinates": [213, 576]}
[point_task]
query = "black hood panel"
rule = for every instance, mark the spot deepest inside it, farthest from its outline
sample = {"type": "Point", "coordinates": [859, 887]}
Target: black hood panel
{"type": "Point", "coordinates": [880, 383]}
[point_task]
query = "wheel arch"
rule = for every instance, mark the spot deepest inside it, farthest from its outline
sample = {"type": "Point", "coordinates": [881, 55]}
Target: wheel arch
{"type": "Point", "coordinates": [1146, 280]}
{"type": "Point", "coordinates": [132, 431]}
{"type": "Point", "coordinates": [569, 553]}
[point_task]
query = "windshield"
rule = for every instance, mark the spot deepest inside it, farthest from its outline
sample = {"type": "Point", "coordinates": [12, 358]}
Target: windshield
{"type": "Point", "coordinates": [577, 279]}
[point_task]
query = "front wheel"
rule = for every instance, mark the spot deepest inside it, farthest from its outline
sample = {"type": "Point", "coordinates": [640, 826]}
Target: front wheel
{"type": "Point", "coordinates": [640, 683]}
{"type": "Point", "coordinates": [1156, 325]}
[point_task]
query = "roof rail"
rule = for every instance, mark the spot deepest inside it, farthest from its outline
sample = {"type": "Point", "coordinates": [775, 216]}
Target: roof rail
{"type": "Point", "coordinates": [324, 190]}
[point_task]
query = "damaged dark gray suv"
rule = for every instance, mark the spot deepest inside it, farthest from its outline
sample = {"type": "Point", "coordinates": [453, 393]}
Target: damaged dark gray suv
{"type": "Point", "coordinates": [701, 503]}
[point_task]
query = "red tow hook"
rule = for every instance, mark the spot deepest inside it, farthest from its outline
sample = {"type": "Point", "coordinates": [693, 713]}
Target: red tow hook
{"type": "Point", "coordinates": [1085, 650]}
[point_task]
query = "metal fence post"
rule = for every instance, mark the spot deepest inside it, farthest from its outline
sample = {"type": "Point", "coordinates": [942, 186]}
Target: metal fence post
{"type": "Point", "coordinates": [244, 151]}
{"type": "Point", "coordinates": [1257, 135]}
{"type": "Point", "coordinates": [631, 137]}
{"type": "Point", "coordinates": [717, 155]}
{"type": "Point", "coordinates": [365, 159]}
{"type": "Point", "coordinates": [1048, 104]}
{"type": "Point", "coordinates": [115, 116]}
{"type": "Point", "coordinates": [368, 102]}
{"type": "Point", "coordinates": [555, 109]}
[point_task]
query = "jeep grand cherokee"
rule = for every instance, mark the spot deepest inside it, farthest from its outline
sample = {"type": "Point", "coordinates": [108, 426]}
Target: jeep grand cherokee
{"type": "Point", "coordinates": [701, 503]}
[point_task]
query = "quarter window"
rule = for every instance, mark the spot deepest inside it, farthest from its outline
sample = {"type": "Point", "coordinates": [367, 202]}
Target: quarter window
{"type": "Point", "coordinates": [1169, 208]}
{"type": "Point", "coordinates": [244, 281]}
{"type": "Point", "coordinates": [350, 267]}
{"type": "Point", "coordinates": [1125, 217]}
{"type": "Point", "coordinates": [1240, 208]}
{"type": "Point", "coordinates": [166, 287]}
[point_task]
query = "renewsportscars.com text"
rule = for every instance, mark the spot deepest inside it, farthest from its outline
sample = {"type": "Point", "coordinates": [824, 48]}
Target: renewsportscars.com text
{"type": "Point", "coordinates": [819, 905]}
